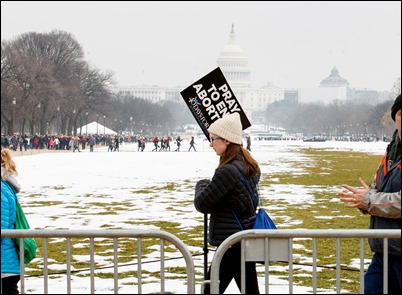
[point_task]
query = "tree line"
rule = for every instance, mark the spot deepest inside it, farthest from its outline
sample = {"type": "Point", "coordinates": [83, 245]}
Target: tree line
{"type": "Point", "coordinates": [335, 119]}
{"type": "Point", "coordinates": [47, 86]}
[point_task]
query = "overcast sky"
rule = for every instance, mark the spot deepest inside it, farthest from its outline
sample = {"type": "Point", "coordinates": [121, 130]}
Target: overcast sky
{"type": "Point", "coordinates": [292, 44]}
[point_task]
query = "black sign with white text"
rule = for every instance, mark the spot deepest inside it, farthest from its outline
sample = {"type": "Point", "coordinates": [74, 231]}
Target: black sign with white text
{"type": "Point", "coordinates": [211, 98]}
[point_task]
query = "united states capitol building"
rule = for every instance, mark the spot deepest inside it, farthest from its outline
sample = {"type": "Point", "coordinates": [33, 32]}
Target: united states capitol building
{"type": "Point", "coordinates": [234, 64]}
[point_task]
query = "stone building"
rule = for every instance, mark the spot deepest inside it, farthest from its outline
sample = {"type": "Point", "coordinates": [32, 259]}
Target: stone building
{"type": "Point", "coordinates": [233, 62]}
{"type": "Point", "coordinates": [234, 65]}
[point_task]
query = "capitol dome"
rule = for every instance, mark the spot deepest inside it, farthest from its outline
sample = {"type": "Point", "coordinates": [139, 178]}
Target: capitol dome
{"type": "Point", "coordinates": [234, 64]}
{"type": "Point", "coordinates": [334, 80]}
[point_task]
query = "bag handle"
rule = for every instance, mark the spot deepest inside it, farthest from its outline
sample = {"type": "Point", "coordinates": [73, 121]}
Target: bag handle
{"type": "Point", "coordinates": [257, 199]}
{"type": "Point", "coordinates": [237, 219]}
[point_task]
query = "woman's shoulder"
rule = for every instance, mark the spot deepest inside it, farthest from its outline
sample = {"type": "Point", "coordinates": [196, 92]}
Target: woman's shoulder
{"type": "Point", "coordinates": [7, 191]}
{"type": "Point", "coordinates": [234, 168]}
{"type": "Point", "coordinates": [11, 181]}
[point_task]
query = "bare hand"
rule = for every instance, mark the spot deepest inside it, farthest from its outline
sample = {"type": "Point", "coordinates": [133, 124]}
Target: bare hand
{"type": "Point", "coordinates": [355, 196]}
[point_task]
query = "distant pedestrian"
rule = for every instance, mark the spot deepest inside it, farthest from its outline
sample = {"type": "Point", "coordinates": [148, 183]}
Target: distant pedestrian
{"type": "Point", "coordinates": [167, 143]}
{"type": "Point", "coordinates": [21, 142]}
{"type": "Point", "coordinates": [248, 143]}
{"type": "Point", "coordinates": [139, 143]}
{"type": "Point", "coordinates": [162, 148]}
{"type": "Point", "coordinates": [142, 144]}
{"type": "Point", "coordinates": [56, 143]}
{"type": "Point", "coordinates": [178, 142]}
{"type": "Point", "coordinates": [116, 143]}
{"type": "Point", "coordinates": [155, 141]}
{"type": "Point", "coordinates": [192, 143]}
{"type": "Point", "coordinates": [111, 144]}
{"type": "Point", "coordinates": [76, 144]}
{"type": "Point", "coordinates": [83, 142]}
{"type": "Point", "coordinates": [26, 142]}
{"type": "Point", "coordinates": [91, 143]}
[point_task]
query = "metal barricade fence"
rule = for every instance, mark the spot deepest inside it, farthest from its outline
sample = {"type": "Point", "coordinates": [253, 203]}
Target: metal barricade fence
{"type": "Point", "coordinates": [277, 245]}
{"type": "Point", "coordinates": [256, 245]}
{"type": "Point", "coordinates": [139, 235]}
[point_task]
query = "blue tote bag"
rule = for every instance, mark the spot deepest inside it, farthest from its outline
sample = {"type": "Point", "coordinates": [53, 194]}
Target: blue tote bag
{"type": "Point", "coordinates": [262, 219]}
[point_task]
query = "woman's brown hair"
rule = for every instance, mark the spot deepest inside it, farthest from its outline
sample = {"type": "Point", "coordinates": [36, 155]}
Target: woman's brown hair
{"type": "Point", "coordinates": [8, 163]}
{"type": "Point", "coordinates": [232, 151]}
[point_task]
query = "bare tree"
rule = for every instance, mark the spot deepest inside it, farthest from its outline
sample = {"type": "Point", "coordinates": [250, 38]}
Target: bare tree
{"type": "Point", "coordinates": [52, 81]}
{"type": "Point", "coordinates": [396, 88]}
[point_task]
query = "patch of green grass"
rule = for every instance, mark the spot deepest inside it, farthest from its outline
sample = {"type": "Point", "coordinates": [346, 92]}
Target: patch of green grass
{"type": "Point", "coordinates": [106, 213]}
{"type": "Point", "coordinates": [45, 204]}
{"type": "Point", "coordinates": [329, 168]}
{"type": "Point", "coordinates": [72, 206]}
{"type": "Point", "coordinates": [141, 191]}
{"type": "Point", "coordinates": [33, 195]}
{"type": "Point", "coordinates": [325, 171]}
{"type": "Point", "coordinates": [59, 187]}
{"type": "Point", "coordinates": [171, 186]}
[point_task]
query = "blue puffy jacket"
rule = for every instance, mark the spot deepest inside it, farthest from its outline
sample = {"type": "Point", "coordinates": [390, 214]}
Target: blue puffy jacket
{"type": "Point", "coordinates": [10, 262]}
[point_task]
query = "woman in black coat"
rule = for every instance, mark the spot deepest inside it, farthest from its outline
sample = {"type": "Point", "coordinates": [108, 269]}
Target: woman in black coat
{"type": "Point", "coordinates": [226, 196]}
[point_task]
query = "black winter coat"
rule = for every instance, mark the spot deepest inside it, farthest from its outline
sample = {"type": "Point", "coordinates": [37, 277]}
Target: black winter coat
{"type": "Point", "coordinates": [224, 193]}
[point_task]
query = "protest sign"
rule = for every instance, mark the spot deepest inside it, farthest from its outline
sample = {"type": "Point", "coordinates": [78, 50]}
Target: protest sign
{"type": "Point", "coordinates": [211, 98]}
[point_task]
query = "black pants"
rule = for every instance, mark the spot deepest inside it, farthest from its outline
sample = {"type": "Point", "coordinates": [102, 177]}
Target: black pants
{"type": "Point", "coordinates": [230, 268]}
{"type": "Point", "coordinates": [9, 285]}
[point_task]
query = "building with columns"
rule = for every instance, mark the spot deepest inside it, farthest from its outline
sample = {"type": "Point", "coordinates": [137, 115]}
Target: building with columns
{"type": "Point", "coordinates": [332, 88]}
{"type": "Point", "coordinates": [234, 65]}
{"type": "Point", "coordinates": [335, 88]}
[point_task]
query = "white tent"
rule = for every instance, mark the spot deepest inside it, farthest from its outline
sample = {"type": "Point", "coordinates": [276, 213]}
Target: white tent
{"type": "Point", "coordinates": [95, 128]}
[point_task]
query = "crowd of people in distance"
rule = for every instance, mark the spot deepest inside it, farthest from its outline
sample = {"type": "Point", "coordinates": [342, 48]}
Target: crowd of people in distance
{"type": "Point", "coordinates": [81, 142]}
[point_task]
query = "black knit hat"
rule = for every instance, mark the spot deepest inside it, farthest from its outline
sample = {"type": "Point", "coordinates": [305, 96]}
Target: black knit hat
{"type": "Point", "coordinates": [396, 107]}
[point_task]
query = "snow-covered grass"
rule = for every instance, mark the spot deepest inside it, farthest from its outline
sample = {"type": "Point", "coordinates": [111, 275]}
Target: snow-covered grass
{"type": "Point", "coordinates": [119, 190]}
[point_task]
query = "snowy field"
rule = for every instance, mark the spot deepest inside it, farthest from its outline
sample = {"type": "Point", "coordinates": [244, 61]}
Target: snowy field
{"type": "Point", "coordinates": [113, 177]}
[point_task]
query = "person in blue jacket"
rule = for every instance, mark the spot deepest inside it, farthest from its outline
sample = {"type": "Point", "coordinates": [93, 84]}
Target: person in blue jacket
{"type": "Point", "coordinates": [382, 200]}
{"type": "Point", "coordinates": [10, 263]}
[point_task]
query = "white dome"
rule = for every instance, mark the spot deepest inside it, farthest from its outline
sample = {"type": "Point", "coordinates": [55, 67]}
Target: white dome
{"type": "Point", "coordinates": [232, 50]}
{"type": "Point", "coordinates": [234, 64]}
